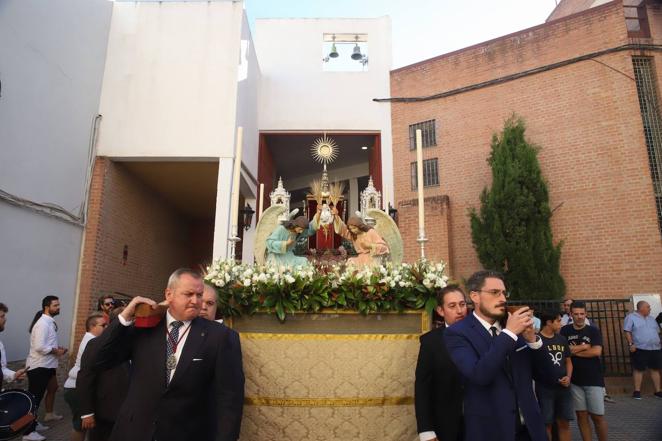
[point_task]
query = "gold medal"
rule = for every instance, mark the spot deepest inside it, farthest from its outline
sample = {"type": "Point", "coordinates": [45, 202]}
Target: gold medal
{"type": "Point", "coordinates": [171, 363]}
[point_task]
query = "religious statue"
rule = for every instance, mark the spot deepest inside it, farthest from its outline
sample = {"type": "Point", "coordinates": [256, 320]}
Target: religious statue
{"type": "Point", "coordinates": [281, 242]}
{"type": "Point", "coordinates": [369, 245]}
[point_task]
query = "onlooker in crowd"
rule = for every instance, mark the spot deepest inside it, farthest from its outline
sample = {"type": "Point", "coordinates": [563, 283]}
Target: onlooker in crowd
{"type": "Point", "coordinates": [7, 373]}
{"type": "Point", "coordinates": [105, 305]}
{"type": "Point", "coordinates": [94, 325]}
{"type": "Point", "coordinates": [552, 370]}
{"type": "Point", "coordinates": [643, 335]}
{"type": "Point", "coordinates": [209, 308]}
{"type": "Point", "coordinates": [587, 379]}
{"type": "Point", "coordinates": [566, 317]}
{"type": "Point", "coordinates": [495, 361]}
{"type": "Point", "coordinates": [101, 393]}
{"type": "Point", "coordinates": [187, 379]}
{"type": "Point", "coordinates": [42, 360]}
{"type": "Point", "coordinates": [438, 386]}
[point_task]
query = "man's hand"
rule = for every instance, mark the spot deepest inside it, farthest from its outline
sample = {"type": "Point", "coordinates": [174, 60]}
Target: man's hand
{"type": "Point", "coordinates": [519, 321]}
{"type": "Point", "coordinates": [20, 374]}
{"type": "Point", "coordinates": [130, 311]}
{"type": "Point", "coordinates": [633, 348]}
{"type": "Point", "coordinates": [88, 423]}
{"type": "Point", "coordinates": [289, 242]}
{"type": "Point", "coordinates": [59, 351]}
{"type": "Point", "coordinates": [565, 381]}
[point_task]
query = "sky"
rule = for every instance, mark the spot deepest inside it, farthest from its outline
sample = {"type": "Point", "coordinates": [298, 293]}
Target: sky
{"type": "Point", "coordinates": [421, 29]}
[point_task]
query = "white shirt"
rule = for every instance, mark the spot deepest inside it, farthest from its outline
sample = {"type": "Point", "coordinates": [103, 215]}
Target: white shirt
{"type": "Point", "coordinates": [73, 373]}
{"type": "Point", "coordinates": [43, 339]}
{"type": "Point", "coordinates": [535, 345]}
{"type": "Point", "coordinates": [8, 374]}
{"type": "Point", "coordinates": [183, 334]}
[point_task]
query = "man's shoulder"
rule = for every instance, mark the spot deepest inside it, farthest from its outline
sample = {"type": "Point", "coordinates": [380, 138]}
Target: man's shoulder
{"type": "Point", "coordinates": [434, 335]}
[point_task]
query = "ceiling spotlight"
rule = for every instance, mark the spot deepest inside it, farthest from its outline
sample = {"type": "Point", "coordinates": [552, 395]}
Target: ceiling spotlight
{"type": "Point", "coordinates": [364, 147]}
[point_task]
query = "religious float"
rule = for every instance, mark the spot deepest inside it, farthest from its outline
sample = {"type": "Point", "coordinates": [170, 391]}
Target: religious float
{"type": "Point", "coordinates": [329, 336]}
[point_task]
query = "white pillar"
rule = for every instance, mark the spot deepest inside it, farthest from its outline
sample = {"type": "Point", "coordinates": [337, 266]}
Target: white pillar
{"type": "Point", "coordinates": [353, 206]}
{"type": "Point", "coordinates": [222, 219]}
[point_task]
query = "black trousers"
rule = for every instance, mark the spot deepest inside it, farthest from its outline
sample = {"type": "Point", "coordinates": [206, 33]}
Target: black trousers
{"type": "Point", "coordinates": [38, 379]}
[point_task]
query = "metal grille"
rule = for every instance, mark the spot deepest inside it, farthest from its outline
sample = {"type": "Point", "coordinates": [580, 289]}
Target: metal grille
{"type": "Point", "coordinates": [430, 174]}
{"type": "Point", "coordinates": [606, 315]}
{"type": "Point", "coordinates": [644, 74]}
{"type": "Point", "coordinates": [428, 134]}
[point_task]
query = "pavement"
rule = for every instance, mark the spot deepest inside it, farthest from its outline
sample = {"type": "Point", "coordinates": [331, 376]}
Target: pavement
{"type": "Point", "coordinates": [628, 420]}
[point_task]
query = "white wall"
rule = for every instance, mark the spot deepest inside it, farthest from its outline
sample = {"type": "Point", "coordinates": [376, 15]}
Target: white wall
{"type": "Point", "coordinates": [52, 57]}
{"type": "Point", "coordinates": [169, 87]}
{"type": "Point", "coordinates": [296, 94]}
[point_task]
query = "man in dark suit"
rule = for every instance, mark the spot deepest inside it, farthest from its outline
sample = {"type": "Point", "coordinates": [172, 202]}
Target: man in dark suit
{"type": "Point", "coordinates": [499, 404]}
{"type": "Point", "coordinates": [438, 386]}
{"type": "Point", "coordinates": [187, 381]}
{"type": "Point", "coordinates": [100, 392]}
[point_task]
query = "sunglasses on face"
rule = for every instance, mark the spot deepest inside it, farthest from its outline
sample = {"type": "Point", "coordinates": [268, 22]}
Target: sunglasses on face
{"type": "Point", "coordinates": [107, 303]}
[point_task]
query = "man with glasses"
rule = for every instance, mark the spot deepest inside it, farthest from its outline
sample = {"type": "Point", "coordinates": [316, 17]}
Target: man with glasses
{"type": "Point", "coordinates": [106, 304]}
{"type": "Point", "coordinates": [499, 403]}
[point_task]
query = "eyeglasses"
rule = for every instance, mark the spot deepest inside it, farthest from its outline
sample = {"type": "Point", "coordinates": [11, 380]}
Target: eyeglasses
{"type": "Point", "coordinates": [496, 292]}
{"type": "Point", "coordinates": [107, 303]}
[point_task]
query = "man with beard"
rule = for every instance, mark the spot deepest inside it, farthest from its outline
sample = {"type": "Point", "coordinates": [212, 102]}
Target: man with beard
{"type": "Point", "coordinates": [495, 361]}
{"type": "Point", "coordinates": [438, 386]}
{"type": "Point", "coordinates": [42, 360]}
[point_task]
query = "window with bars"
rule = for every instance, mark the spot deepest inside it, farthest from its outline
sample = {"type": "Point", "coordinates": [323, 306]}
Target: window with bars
{"type": "Point", "coordinates": [430, 173]}
{"type": "Point", "coordinates": [428, 134]}
{"type": "Point", "coordinates": [645, 78]}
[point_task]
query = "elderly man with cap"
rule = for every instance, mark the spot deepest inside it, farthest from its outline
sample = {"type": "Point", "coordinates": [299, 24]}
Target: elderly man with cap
{"type": "Point", "coordinates": [281, 242]}
{"type": "Point", "coordinates": [369, 245]}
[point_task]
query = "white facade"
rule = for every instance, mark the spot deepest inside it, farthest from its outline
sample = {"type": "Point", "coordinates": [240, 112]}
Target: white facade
{"type": "Point", "coordinates": [52, 57]}
{"type": "Point", "coordinates": [180, 77]}
{"type": "Point", "coordinates": [296, 94]}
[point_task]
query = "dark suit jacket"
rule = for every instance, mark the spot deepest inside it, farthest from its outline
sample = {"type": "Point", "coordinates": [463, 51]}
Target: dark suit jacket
{"type": "Point", "coordinates": [101, 392]}
{"type": "Point", "coordinates": [438, 389]}
{"type": "Point", "coordinates": [492, 393]}
{"type": "Point", "coordinates": [204, 400]}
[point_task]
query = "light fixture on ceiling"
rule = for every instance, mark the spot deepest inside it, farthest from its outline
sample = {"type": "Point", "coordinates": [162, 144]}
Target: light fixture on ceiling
{"type": "Point", "coordinates": [365, 147]}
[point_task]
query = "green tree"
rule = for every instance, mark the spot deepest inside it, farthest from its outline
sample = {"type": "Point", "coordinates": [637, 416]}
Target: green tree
{"type": "Point", "coordinates": [512, 232]}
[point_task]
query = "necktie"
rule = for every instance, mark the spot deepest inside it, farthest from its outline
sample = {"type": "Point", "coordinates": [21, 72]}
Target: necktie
{"type": "Point", "coordinates": [171, 348]}
{"type": "Point", "coordinates": [519, 420]}
{"type": "Point", "coordinates": [494, 332]}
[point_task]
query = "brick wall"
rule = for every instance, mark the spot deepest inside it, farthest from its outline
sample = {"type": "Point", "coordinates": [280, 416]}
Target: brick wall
{"type": "Point", "coordinates": [123, 211]}
{"type": "Point", "coordinates": [586, 119]}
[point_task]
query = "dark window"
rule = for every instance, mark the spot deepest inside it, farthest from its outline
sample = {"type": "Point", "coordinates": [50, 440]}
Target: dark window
{"type": "Point", "coordinates": [430, 174]}
{"type": "Point", "coordinates": [428, 134]}
{"type": "Point", "coordinates": [644, 74]}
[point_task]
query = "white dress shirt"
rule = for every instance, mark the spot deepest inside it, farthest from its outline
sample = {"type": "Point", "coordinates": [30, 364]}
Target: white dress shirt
{"type": "Point", "coordinates": [7, 373]}
{"type": "Point", "coordinates": [183, 334]}
{"type": "Point", "coordinates": [43, 340]}
{"type": "Point", "coordinates": [535, 345]}
{"type": "Point", "coordinates": [73, 373]}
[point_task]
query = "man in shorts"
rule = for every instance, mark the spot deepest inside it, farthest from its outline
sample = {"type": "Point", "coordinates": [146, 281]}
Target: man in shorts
{"type": "Point", "coordinates": [588, 382]}
{"type": "Point", "coordinates": [643, 334]}
{"type": "Point", "coordinates": [552, 371]}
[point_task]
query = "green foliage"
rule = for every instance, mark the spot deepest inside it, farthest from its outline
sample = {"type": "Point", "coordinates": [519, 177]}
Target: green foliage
{"type": "Point", "coordinates": [512, 232]}
{"type": "Point", "coordinates": [247, 289]}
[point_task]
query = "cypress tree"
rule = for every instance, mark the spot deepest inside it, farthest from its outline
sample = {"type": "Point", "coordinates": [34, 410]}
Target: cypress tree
{"type": "Point", "coordinates": [512, 232]}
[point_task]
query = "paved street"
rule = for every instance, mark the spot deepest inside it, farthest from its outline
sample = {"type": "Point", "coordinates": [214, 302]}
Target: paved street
{"type": "Point", "coordinates": [629, 420]}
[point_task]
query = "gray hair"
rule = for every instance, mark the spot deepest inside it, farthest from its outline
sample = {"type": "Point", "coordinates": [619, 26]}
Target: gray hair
{"type": "Point", "coordinates": [641, 303]}
{"type": "Point", "coordinates": [174, 277]}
